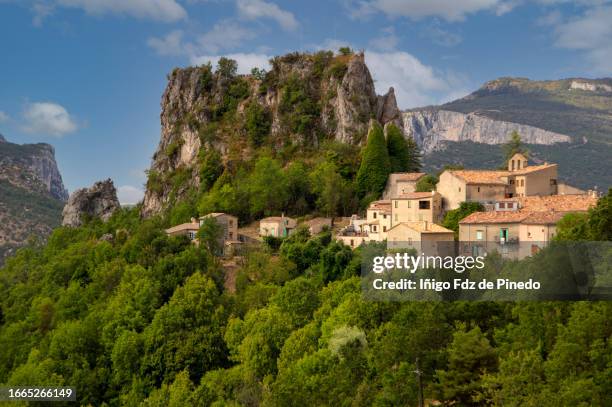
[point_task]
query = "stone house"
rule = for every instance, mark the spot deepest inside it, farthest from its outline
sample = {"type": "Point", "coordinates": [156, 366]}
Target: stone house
{"type": "Point", "coordinates": [378, 217]}
{"type": "Point", "coordinates": [228, 223]}
{"type": "Point", "coordinates": [425, 237]}
{"type": "Point", "coordinates": [317, 225]}
{"type": "Point", "coordinates": [487, 186]}
{"type": "Point", "coordinates": [276, 226]}
{"type": "Point", "coordinates": [401, 183]}
{"type": "Point", "coordinates": [417, 207]}
{"type": "Point", "coordinates": [189, 229]}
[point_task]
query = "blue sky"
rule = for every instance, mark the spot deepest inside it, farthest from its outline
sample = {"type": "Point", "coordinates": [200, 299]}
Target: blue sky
{"type": "Point", "coordinates": [87, 75]}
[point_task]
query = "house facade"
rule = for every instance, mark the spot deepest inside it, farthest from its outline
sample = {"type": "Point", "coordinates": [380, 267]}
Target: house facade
{"type": "Point", "coordinates": [189, 229]}
{"type": "Point", "coordinates": [417, 207]}
{"type": "Point", "coordinates": [425, 237]}
{"type": "Point", "coordinates": [487, 186]}
{"type": "Point", "coordinates": [276, 226]}
{"type": "Point", "coordinates": [228, 223]}
{"type": "Point", "coordinates": [401, 183]}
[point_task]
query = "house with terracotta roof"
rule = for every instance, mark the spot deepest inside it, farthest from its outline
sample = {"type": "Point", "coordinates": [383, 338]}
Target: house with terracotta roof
{"type": "Point", "coordinates": [401, 183]}
{"type": "Point", "coordinates": [417, 207]}
{"type": "Point", "coordinates": [524, 229]}
{"type": "Point", "coordinates": [489, 186]}
{"type": "Point", "coordinates": [425, 237]}
{"type": "Point", "coordinates": [189, 229]}
{"type": "Point", "coordinates": [378, 217]}
{"type": "Point", "coordinates": [277, 226]}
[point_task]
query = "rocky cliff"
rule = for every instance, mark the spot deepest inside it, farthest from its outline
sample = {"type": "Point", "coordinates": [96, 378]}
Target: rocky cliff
{"type": "Point", "coordinates": [432, 127]}
{"type": "Point", "coordinates": [31, 194]}
{"type": "Point", "coordinates": [302, 101]}
{"type": "Point", "coordinates": [33, 167]}
{"type": "Point", "coordinates": [98, 201]}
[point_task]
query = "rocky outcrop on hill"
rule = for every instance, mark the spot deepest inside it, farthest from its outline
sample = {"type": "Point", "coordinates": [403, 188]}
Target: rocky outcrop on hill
{"type": "Point", "coordinates": [431, 127]}
{"type": "Point", "coordinates": [303, 100]}
{"type": "Point", "coordinates": [32, 167]}
{"type": "Point", "coordinates": [98, 201]}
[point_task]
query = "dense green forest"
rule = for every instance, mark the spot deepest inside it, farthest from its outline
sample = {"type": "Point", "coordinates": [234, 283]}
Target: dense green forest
{"type": "Point", "coordinates": [144, 319]}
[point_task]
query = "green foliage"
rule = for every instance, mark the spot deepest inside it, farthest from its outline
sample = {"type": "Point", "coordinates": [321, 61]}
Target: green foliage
{"type": "Point", "coordinates": [211, 236]}
{"type": "Point", "coordinates": [267, 187]}
{"type": "Point", "coordinates": [257, 123]}
{"type": "Point", "coordinates": [404, 154]}
{"type": "Point", "coordinates": [453, 217]}
{"type": "Point", "coordinates": [427, 183]}
{"type": "Point", "coordinates": [226, 68]}
{"type": "Point", "coordinates": [211, 168]}
{"type": "Point", "coordinates": [346, 51]}
{"type": "Point", "coordinates": [298, 108]}
{"type": "Point", "coordinates": [596, 225]}
{"type": "Point", "coordinates": [513, 146]}
{"type": "Point", "coordinates": [375, 166]}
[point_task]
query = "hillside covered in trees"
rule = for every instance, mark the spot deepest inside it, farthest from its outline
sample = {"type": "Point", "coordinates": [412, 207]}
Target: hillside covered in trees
{"type": "Point", "coordinates": [144, 319]}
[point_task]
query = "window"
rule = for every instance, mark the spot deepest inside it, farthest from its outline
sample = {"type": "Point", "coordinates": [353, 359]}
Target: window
{"type": "Point", "coordinates": [479, 235]}
{"type": "Point", "coordinates": [511, 182]}
{"type": "Point", "coordinates": [502, 205]}
{"type": "Point", "coordinates": [408, 204]}
{"type": "Point", "coordinates": [553, 181]}
{"type": "Point", "coordinates": [478, 189]}
{"type": "Point", "coordinates": [384, 228]}
{"type": "Point", "coordinates": [374, 215]}
{"type": "Point", "coordinates": [374, 228]}
{"type": "Point", "coordinates": [459, 189]}
{"type": "Point", "coordinates": [192, 235]}
{"type": "Point", "coordinates": [395, 203]}
{"type": "Point", "coordinates": [231, 222]}
{"type": "Point", "coordinates": [352, 243]}
{"type": "Point", "coordinates": [522, 182]}
{"type": "Point", "coordinates": [231, 236]}
{"type": "Point", "coordinates": [384, 216]}
{"type": "Point", "coordinates": [424, 205]}
{"type": "Point", "coordinates": [529, 234]}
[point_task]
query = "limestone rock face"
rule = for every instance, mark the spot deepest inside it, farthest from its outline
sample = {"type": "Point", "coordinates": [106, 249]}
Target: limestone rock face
{"type": "Point", "coordinates": [340, 88]}
{"type": "Point", "coordinates": [98, 201]}
{"type": "Point", "coordinates": [431, 127]}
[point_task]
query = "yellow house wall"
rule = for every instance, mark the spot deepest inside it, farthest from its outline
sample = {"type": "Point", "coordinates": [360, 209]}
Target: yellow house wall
{"type": "Point", "coordinates": [452, 189]}
{"type": "Point", "coordinates": [480, 193]}
{"type": "Point", "coordinates": [467, 233]}
{"type": "Point", "coordinates": [407, 210]}
{"type": "Point", "coordinates": [538, 183]}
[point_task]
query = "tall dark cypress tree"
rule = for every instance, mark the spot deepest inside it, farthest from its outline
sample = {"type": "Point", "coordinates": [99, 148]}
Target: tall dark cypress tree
{"type": "Point", "coordinates": [404, 153]}
{"type": "Point", "coordinates": [397, 148]}
{"type": "Point", "coordinates": [375, 166]}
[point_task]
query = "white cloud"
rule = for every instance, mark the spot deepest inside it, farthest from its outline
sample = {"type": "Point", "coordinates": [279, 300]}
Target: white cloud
{"type": "Point", "coordinates": [224, 35]}
{"type": "Point", "coordinates": [386, 42]}
{"type": "Point", "coordinates": [415, 83]}
{"type": "Point", "coordinates": [171, 44]}
{"type": "Point", "coordinates": [245, 61]}
{"type": "Point", "coordinates": [129, 195]}
{"type": "Point", "coordinates": [592, 33]}
{"type": "Point", "coordinates": [3, 117]}
{"type": "Point", "coordinates": [255, 9]}
{"type": "Point", "coordinates": [158, 10]}
{"type": "Point", "coordinates": [450, 10]}
{"type": "Point", "coordinates": [440, 36]}
{"type": "Point", "coordinates": [48, 118]}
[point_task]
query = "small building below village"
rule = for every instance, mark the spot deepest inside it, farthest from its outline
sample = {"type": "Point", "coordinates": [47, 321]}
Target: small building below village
{"type": "Point", "coordinates": [276, 226]}
{"type": "Point", "coordinates": [317, 225]}
{"type": "Point", "coordinates": [189, 229]}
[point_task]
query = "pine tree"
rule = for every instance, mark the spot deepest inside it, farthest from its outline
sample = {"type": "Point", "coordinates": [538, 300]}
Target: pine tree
{"type": "Point", "coordinates": [513, 146]}
{"type": "Point", "coordinates": [375, 166]}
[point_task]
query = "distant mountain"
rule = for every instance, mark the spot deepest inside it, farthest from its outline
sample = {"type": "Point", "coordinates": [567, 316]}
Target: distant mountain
{"type": "Point", "coordinates": [32, 193]}
{"type": "Point", "coordinates": [568, 121]}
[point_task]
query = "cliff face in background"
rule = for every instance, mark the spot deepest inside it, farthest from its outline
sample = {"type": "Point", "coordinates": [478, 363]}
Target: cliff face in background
{"type": "Point", "coordinates": [432, 127]}
{"type": "Point", "coordinates": [31, 193]}
{"type": "Point", "coordinates": [306, 98]}
{"type": "Point", "coordinates": [566, 121]}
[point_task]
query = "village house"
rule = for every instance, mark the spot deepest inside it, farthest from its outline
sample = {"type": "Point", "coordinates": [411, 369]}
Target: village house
{"type": "Point", "coordinates": [276, 226]}
{"type": "Point", "coordinates": [378, 217]}
{"type": "Point", "coordinates": [425, 237]}
{"type": "Point", "coordinates": [189, 229]}
{"type": "Point", "coordinates": [317, 225]}
{"type": "Point", "coordinates": [520, 226]}
{"type": "Point", "coordinates": [228, 223]}
{"type": "Point", "coordinates": [401, 183]}
{"type": "Point", "coordinates": [487, 186]}
{"type": "Point", "coordinates": [417, 207]}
